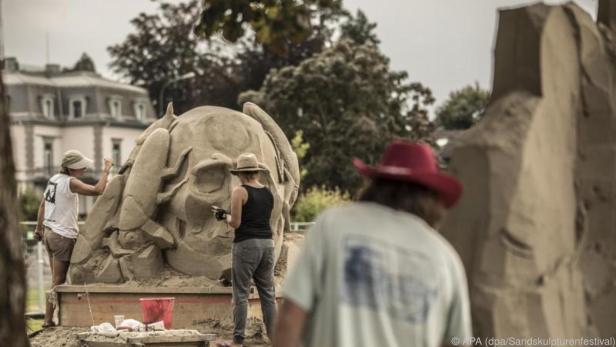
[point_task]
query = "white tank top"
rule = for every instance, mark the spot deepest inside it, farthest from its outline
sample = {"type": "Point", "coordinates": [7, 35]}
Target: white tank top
{"type": "Point", "coordinates": [61, 206]}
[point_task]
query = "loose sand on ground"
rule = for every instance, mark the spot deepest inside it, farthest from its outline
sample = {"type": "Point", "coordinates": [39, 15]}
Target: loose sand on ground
{"type": "Point", "coordinates": [67, 337]}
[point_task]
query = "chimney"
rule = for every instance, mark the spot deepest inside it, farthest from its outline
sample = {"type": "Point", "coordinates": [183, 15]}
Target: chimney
{"type": "Point", "coordinates": [52, 69]}
{"type": "Point", "coordinates": [11, 64]}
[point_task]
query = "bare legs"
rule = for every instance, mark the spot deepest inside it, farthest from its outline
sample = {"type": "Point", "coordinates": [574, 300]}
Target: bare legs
{"type": "Point", "coordinates": [58, 277]}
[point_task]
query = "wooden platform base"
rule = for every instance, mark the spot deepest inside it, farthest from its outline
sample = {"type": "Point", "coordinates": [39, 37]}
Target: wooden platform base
{"type": "Point", "coordinates": [84, 306]}
{"type": "Point", "coordinates": [174, 338]}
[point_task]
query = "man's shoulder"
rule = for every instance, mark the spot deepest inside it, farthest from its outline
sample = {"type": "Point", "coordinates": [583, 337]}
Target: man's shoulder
{"type": "Point", "coordinates": [447, 250]}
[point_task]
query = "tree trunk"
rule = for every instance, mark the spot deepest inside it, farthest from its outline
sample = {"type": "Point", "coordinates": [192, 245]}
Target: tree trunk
{"type": "Point", "coordinates": [12, 271]}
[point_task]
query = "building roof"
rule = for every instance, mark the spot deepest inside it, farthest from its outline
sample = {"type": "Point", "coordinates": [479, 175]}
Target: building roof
{"type": "Point", "coordinates": [72, 79]}
{"type": "Point", "coordinates": [12, 78]}
{"type": "Point", "coordinates": [93, 80]}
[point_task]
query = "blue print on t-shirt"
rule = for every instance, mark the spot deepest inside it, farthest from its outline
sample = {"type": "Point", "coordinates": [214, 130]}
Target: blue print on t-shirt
{"type": "Point", "coordinates": [387, 278]}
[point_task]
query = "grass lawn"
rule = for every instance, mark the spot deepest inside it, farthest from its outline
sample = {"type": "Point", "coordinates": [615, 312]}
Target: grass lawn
{"type": "Point", "coordinates": [32, 305]}
{"type": "Point", "coordinates": [34, 325]}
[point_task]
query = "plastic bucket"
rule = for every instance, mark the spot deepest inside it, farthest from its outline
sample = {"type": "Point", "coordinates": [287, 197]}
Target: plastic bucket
{"type": "Point", "coordinates": [157, 309]}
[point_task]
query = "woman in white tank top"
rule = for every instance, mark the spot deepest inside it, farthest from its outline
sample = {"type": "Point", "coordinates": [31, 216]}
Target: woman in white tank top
{"type": "Point", "coordinates": [58, 213]}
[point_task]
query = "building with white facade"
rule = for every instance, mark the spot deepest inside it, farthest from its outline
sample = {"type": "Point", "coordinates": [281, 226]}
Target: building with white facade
{"type": "Point", "coordinates": [54, 110]}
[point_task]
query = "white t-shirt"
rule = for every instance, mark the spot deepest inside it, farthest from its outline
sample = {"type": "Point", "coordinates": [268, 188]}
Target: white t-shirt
{"type": "Point", "coordinates": [61, 206]}
{"type": "Point", "coordinates": [372, 276]}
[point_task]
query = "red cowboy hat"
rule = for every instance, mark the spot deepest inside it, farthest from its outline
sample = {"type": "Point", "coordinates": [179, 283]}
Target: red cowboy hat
{"type": "Point", "coordinates": [413, 162]}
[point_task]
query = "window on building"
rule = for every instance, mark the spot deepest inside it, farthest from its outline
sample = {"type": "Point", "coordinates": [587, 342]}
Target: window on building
{"type": "Point", "coordinates": [47, 106]}
{"type": "Point", "coordinates": [77, 109]}
{"type": "Point", "coordinates": [48, 157]}
{"type": "Point", "coordinates": [140, 111]}
{"type": "Point", "coordinates": [115, 107]}
{"type": "Point", "coordinates": [116, 152]}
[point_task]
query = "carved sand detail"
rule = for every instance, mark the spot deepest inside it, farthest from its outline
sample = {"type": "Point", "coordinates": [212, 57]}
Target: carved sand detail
{"type": "Point", "coordinates": [156, 212]}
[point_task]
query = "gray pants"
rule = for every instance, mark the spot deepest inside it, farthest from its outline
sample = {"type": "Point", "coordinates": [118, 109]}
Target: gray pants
{"type": "Point", "coordinates": [253, 259]}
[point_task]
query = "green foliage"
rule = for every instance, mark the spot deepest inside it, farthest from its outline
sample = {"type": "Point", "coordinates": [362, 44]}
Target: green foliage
{"type": "Point", "coordinates": [299, 146]}
{"type": "Point", "coordinates": [301, 149]}
{"type": "Point", "coordinates": [85, 63]}
{"type": "Point", "coordinates": [463, 109]}
{"type": "Point", "coordinates": [348, 103]}
{"type": "Point", "coordinates": [29, 201]}
{"type": "Point", "coordinates": [315, 200]}
{"type": "Point", "coordinates": [275, 23]}
{"type": "Point", "coordinates": [334, 85]}
{"type": "Point", "coordinates": [164, 47]}
{"type": "Point", "coordinates": [359, 29]}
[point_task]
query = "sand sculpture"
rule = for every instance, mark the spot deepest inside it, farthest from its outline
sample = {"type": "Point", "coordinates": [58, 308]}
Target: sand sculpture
{"type": "Point", "coordinates": [155, 214]}
{"type": "Point", "coordinates": [536, 226]}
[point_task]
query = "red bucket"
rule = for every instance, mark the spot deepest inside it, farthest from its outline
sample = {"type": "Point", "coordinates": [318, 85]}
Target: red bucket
{"type": "Point", "coordinates": [157, 309]}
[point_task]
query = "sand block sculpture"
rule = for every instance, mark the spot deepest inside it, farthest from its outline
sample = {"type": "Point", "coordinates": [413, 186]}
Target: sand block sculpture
{"type": "Point", "coordinates": [535, 227]}
{"type": "Point", "coordinates": [155, 214]}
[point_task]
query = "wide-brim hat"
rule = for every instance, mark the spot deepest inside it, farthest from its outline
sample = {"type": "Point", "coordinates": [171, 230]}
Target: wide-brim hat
{"type": "Point", "coordinates": [413, 162]}
{"type": "Point", "coordinates": [247, 162]}
{"type": "Point", "coordinates": [73, 159]}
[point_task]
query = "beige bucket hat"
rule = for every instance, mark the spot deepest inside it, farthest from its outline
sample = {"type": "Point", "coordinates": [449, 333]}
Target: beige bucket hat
{"type": "Point", "coordinates": [247, 162]}
{"type": "Point", "coordinates": [73, 159]}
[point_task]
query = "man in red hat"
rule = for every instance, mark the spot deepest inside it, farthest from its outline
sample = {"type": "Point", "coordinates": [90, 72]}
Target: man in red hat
{"type": "Point", "coordinates": [375, 272]}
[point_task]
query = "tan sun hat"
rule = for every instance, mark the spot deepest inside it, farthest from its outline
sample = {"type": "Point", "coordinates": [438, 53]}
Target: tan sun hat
{"type": "Point", "coordinates": [247, 162]}
{"type": "Point", "coordinates": [73, 159]}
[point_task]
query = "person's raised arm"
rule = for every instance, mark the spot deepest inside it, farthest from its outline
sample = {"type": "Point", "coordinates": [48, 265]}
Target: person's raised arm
{"type": "Point", "coordinates": [289, 325]}
{"type": "Point", "coordinates": [77, 186]}
{"type": "Point", "coordinates": [238, 197]}
{"type": "Point", "coordinates": [40, 217]}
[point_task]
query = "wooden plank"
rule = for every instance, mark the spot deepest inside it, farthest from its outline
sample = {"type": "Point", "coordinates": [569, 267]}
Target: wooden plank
{"type": "Point", "coordinates": [93, 288]}
{"type": "Point", "coordinates": [161, 339]}
{"type": "Point", "coordinates": [174, 344]}
{"type": "Point", "coordinates": [138, 344]}
{"type": "Point", "coordinates": [104, 344]}
{"type": "Point", "coordinates": [190, 310]}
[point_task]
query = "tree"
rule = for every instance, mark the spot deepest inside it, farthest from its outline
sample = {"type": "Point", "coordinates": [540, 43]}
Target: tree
{"type": "Point", "coordinates": [301, 149]}
{"type": "Point", "coordinates": [275, 23]}
{"type": "Point", "coordinates": [463, 109]}
{"type": "Point", "coordinates": [12, 271]}
{"type": "Point", "coordinates": [348, 103]}
{"type": "Point", "coordinates": [85, 63]}
{"type": "Point", "coordinates": [29, 202]}
{"type": "Point", "coordinates": [163, 48]}
{"type": "Point", "coordinates": [359, 29]}
{"type": "Point", "coordinates": [254, 62]}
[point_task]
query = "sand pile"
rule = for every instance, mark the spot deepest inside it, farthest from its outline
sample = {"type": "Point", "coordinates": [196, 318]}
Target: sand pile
{"type": "Point", "coordinates": [535, 226]}
{"type": "Point", "coordinates": [169, 278]}
{"type": "Point", "coordinates": [57, 337]}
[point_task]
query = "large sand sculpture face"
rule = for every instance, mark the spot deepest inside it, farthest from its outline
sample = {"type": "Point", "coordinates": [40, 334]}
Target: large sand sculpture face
{"type": "Point", "coordinates": [157, 210]}
{"type": "Point", "coordinates": [535, 227]}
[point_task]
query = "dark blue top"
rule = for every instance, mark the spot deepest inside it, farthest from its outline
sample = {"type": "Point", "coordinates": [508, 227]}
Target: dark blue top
{"type": "Point", "coordinates": [256, 214]}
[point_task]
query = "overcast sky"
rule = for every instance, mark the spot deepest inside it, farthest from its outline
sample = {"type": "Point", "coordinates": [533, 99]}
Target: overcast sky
{"type": "Point", "coordinates": [444, 44]}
